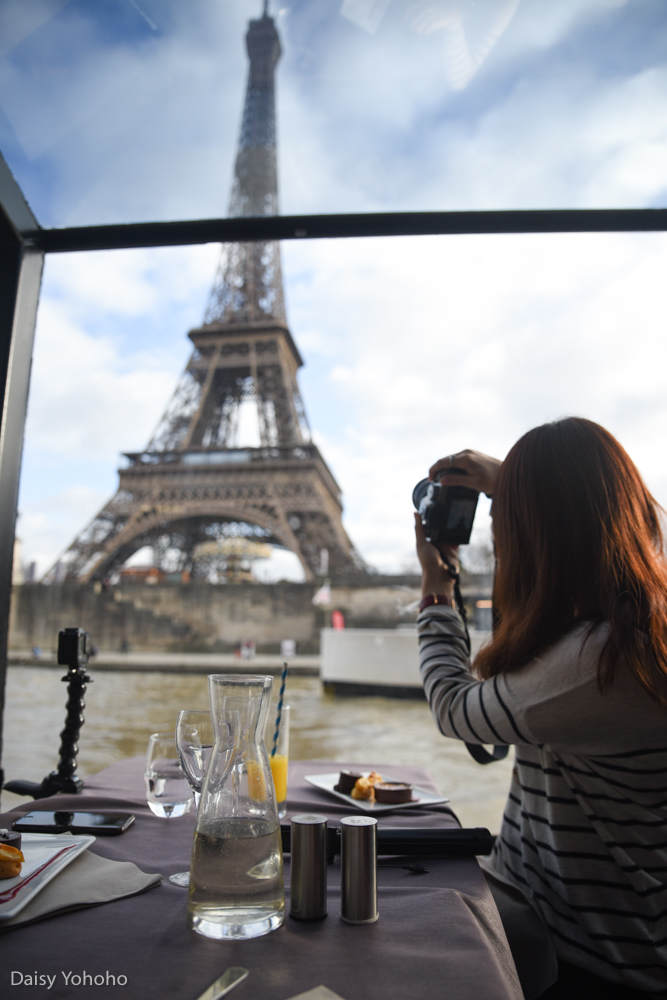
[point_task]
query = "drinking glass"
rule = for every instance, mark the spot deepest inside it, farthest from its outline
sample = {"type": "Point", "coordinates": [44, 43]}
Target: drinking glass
{"type": "Point", "coordinates": [167, 790]}
{"type": "Point", "coordinates": [194, 742]}
{"type": "Point", "coordinates": [279, 760]}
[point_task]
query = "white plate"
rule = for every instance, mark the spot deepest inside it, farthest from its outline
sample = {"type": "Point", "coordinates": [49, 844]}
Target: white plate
{"type": "Point", "coordinates": [45, 855]}
{"type": "Point", "coordinates": [421, 797]}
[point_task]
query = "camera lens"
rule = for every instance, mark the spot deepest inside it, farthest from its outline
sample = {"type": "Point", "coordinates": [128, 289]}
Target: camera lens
{"type": "Point", "coordinates": [419, 492]}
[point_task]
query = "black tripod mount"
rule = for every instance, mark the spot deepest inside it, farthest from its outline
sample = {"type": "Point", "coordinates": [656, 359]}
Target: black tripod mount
{"type": "Point", "coordinates": [73, 652]}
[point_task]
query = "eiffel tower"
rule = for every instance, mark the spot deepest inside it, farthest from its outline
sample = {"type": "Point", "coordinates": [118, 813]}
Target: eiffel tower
{"type": "Point", "coordinates": [199, 479]}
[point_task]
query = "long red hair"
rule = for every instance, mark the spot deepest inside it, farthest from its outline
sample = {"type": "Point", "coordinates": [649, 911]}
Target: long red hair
{"type": "Point", "coordinates": [578, 539]}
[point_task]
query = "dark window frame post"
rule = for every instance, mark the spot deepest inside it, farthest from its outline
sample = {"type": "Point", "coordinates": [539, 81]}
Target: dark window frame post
{"type": "Point", "coordinates": [21, 264]}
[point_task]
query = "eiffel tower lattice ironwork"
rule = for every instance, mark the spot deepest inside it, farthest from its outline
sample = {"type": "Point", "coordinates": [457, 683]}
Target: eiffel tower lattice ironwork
{"type": "Point", "coordinates": [197, 480]}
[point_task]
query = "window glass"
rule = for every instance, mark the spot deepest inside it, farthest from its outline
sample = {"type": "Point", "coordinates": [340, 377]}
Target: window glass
{"type": "Point", "coordinates": [412, 347]}
{"type": "Point", "coordinates": [130, 110]}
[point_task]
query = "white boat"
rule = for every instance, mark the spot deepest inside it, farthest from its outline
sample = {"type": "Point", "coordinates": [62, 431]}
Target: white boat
{"type": "Point", "coordinates": [359, 661]}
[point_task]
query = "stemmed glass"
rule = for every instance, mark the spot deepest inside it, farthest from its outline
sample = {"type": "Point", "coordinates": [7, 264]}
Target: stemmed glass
{"type": "Point", "coordinates": [194, 742]}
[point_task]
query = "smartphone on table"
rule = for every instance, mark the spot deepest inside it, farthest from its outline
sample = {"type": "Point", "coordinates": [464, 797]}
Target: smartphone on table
{"type": "Point", "coordinates": [64, 821]}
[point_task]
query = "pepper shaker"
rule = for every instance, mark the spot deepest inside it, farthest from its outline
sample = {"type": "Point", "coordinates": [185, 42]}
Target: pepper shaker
{"type": "Point", "coordinates": [358, 863]}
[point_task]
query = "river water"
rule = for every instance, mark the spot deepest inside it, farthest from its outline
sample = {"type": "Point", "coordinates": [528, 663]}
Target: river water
{"type": "Point", "coordinates": [124, 708]}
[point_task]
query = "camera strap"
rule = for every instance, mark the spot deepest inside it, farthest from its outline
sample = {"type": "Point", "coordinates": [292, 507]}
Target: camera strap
{"type": "Point", "coordinates": [482, 756]}
{"type": "Point", "coordinates": [458, 599]}
{"type": "Point", "coordinates": [476, 751]}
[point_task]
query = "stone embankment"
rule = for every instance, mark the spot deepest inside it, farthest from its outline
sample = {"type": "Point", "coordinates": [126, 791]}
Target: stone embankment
{"type": "Point", "coordinates": [133, 618]}
{"type": "Point", "coordinates": [177, 663]}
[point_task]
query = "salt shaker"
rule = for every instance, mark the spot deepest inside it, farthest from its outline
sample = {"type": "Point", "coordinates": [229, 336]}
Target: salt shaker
{"type": "Point", "coordinates": [308, 893]}
{"type": "Point", "coordinates": [358, 863]}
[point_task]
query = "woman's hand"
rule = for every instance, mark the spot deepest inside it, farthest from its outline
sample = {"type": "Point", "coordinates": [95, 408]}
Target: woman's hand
{"type": "Point", "coordinates": [435, 578]}
{"type": "Point", "coordinates": [481, 470]}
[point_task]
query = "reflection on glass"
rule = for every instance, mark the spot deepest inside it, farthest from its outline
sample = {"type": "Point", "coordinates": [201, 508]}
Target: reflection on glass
{"type": "Point", "coordinates": [132, 111]}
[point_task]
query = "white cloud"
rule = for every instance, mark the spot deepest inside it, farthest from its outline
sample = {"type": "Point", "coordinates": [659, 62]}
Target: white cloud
{"type": "Point", "coordinates": [447, 343]}
{"type": "Point", "coordinates": [549, 122]}
{"type": "Point", "coordinates": [110, 346]}
{"type": "Point", "coordinates": [129, 124]}
{"type": "Point", "coordinates": [47, 523]}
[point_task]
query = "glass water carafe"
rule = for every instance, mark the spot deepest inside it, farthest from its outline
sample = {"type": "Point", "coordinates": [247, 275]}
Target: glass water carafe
{"type": "Point", "coordinates": [236, 873]}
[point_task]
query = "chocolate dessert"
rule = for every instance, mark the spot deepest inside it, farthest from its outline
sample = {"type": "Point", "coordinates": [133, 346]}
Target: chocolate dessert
{"type": "Point", "coordinates": [346, 781]}
{"type": "Point", "coordinates": [393, 792]}
{"type": "Point", "coordinates": [11, 837]}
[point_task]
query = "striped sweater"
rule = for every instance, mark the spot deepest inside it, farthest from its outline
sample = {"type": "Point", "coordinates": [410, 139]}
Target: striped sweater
{"type": "Point", "coordinates": [585, 825]}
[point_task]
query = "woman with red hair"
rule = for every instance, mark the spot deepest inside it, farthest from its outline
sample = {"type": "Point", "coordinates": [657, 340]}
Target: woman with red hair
{"type": "Point", "coordinates": [575, 677]}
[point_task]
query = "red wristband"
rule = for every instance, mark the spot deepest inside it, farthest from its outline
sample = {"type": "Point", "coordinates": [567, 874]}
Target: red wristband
{"type": "Point", "coordinates": [430, 599]}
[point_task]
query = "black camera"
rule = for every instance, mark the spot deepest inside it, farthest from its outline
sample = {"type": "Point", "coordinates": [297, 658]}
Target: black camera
{"type": "Point", "coordinates": [447, 512]}
{"type": "Point", "coordinates": [73, 647]}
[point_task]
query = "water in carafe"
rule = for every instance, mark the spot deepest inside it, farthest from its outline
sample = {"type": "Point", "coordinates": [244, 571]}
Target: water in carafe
{"type": "Point", "coordinates": [236, 872]}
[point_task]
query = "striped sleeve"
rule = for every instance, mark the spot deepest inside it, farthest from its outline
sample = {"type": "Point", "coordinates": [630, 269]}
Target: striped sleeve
{"type": "Point", "coordinates": [463, 707]}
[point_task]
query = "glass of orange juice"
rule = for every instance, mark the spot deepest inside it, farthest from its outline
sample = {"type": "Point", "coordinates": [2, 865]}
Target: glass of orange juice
{"type": "Point", "coordinates": [279, 761]}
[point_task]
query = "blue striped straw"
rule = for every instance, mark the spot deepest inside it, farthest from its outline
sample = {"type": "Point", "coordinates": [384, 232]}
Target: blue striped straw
{"type": "Point", "coordinates": [283, 679]}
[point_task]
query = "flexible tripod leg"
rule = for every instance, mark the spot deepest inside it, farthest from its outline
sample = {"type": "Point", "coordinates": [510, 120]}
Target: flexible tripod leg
{"type": "Point", "coordinates": [73, 652]}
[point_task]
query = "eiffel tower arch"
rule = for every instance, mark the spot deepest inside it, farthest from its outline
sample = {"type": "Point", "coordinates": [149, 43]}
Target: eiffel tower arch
{"type": "Point", "coordinates": [233, 453]}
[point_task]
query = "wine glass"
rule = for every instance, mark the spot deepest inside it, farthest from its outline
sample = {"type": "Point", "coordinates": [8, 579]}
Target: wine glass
{"type": "Point", "coordinates": [194, 742]}
{"type": "Point", "coordinates": [167, 791]}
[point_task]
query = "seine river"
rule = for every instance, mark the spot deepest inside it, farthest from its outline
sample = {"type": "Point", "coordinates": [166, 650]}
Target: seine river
{"type": "Point", "coordinates": [124, 708]}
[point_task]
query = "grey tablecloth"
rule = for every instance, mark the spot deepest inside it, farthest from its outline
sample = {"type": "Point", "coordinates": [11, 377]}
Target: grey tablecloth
{"type": "Point", "coordinates": [439, 935]}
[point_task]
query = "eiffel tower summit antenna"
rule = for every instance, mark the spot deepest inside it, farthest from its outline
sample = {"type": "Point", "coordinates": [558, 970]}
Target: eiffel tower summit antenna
{"type": "Point", "coordinates": [232, 456]}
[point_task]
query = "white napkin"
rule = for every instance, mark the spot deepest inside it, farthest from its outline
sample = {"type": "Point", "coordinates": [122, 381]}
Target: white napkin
{"type": "Point", "coordinates": [86, 881]}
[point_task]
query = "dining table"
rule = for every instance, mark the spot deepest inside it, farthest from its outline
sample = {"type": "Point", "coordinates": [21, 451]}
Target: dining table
{"type": "Point", "coordinates": [439, 934]}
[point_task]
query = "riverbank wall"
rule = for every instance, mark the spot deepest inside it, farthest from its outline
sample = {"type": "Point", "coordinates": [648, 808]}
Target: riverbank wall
{"type": "Point", "coordinates": [205, 618]}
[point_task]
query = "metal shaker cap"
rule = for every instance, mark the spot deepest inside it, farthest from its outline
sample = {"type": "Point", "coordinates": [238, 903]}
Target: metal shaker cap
{"type": "Point", "coordinates": [308, 892]}
{"type": "Point", "coordinates": [358, 864]}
